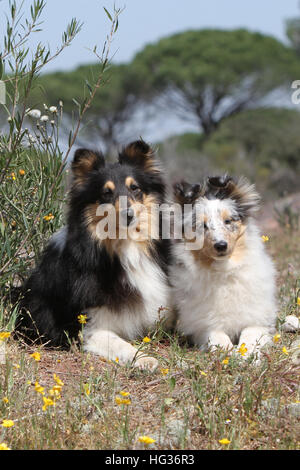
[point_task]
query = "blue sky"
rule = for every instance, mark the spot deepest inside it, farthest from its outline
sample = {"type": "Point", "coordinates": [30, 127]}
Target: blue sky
{"type": "Point", "coordinates": [144, 21]}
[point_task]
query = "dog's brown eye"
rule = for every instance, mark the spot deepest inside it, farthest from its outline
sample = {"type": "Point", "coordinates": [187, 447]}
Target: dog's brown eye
{"type": "Point", "coordinates": [107, 191]}
{"type": "Point", "coordinates": [205, 226]}
{"type": "Point", "coordinates": [227, 221]}
{"type": "Point", "coordinates": [134, 187]}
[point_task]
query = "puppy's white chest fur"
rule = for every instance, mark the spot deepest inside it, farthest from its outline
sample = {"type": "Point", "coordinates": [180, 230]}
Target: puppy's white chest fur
{"type": "Point", "coordinates": [146, 277]}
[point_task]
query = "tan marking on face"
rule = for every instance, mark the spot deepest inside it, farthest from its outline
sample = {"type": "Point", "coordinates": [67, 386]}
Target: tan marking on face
{"type": "Point", "coordinates": [238, 251]}
{"type": "Point", "coordinates": [110, 185]}
{"type": "Point", "coordinates": [91, 219]}
{"type": "Point", "coordinates": [225, 214]}
{"type": "Point", "coordinates": [201, 258]}
{"type": "Point", "coordinates": [129, 181]}
{"type": "Point", "coordinates": [146, 228]}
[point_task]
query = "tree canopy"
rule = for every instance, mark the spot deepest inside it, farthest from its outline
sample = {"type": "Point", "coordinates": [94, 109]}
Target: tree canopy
{"type": "Point", "coordinates": [112, 105]}
{"type": "Point", "coordinates": [210, 74]}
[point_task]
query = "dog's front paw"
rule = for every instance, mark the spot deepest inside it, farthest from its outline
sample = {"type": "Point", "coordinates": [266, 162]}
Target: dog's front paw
{"type": "Point", "coordinates": [146, 363]}
{"type": "Point", "coordinates": [218, 339]}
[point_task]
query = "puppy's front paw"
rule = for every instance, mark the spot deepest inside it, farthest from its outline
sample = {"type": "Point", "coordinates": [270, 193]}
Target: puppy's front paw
{"type": "Point", "coordinates": [218, 339]}
{"type": "Point", "coordinates": [146, 363]}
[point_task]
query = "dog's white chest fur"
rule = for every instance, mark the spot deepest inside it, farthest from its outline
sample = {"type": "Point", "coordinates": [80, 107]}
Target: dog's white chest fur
{"type": "Point", "coordinates": [148, 279]}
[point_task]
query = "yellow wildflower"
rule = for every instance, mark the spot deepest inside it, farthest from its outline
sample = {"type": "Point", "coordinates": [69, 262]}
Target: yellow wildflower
{"type": "Point", "coordinates": [276, 338]}
{"type": "Point", "coordinates": [124, 394]}
{"type": "Point", "coordinates": [7, 423]}
{"type": "Point", "coordinates": [298, 300]}
{"type": "Point", "coordinates": [226, 360]}
{"type": "Point", "coordinates": [285, 351]}
{"type": "Point", "coordinates": [13, 176]}
{"type": "Point", "coordinates": [55, 391]}
{"type": "Point", "coordinates": [224, 441]}
{"type": "Point", "coordinates": [82, 319]}
{"type": "Point", "coordinates": [87, 389]}
{"type": "Point", "coordinates": [203, 373]}
{"type": "Point", "coordinates": [16, 366]}
{"type": "Point", "coordinates": [164, 371]}
{"type": "Point", "coordinates": [117, 360]}
{"type": "Point", "coordinates": [242, 350]}
{"type": "Point", "coordinates": [4, 335]}
{"type": "Point", "coordinates": [21, 172]}
{"type": "Point", "coordinates": [146, 440]}
{"type": "Point", "coordinates": [48, 217]}
{"type": "Point", "coordinates": [38, 388]}
{"type": "Point", "coordinates": [146, 339]}
{"type": "Point", "coordinates": [3, 446]}
{"type": "Point", "coordinates": [47, 402]}
{"type": "Point", "coordinates": [265, 238]}
{"type": "Point", "coordinates": [5, 400]}
{"type": "Point", "coordinates": [122, 401]}
{"type": "Point", "coordinates": [57, 380]}
{"type": "Point", "coordinates": [36, 356]}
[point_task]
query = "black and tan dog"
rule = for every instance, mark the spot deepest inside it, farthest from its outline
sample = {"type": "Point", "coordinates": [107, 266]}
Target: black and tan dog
{"type": "Point", "coordinates": [119, 281]}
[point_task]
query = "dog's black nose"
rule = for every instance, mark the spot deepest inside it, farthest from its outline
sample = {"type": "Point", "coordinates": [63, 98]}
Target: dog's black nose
{"type": "Point", "coordinates": [220, 246]}
{"type": "Point", "coordinates": [130, 215]}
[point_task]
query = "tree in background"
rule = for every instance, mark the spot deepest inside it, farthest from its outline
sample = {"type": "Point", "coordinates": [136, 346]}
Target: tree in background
{"type": "Point", "coordinates": [209, 75]}
{"type": "Point", "coordinates": [112, 107]}
{"type": "Point", "coordinates": [263, 144]}
{"type": "Point", "coordinates": [293, 33]}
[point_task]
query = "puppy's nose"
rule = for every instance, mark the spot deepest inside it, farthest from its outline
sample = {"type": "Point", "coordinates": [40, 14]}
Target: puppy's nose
{"type": "Point", "coordinates": [221, 246]}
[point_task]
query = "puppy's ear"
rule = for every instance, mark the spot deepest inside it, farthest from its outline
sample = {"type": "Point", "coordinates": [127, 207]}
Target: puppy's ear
{"type": "Point", "coordinates": [85, 161]}
{"type": "Point", "coordinates": [219, 181]}
{"type": "Point", "coordinates": [246, 197]}
{"type": "Point", "coordinates": [139, 154]}
{"type": "Point", "coordinates": [241, 192]}
{"type": "Point", "coordinates": [219, 187]}
{"type": "Point", "coordinates": [186, 193]}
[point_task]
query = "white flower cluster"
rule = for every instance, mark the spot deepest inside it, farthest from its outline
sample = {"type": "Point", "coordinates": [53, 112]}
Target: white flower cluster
{"type": "Point", "coordinates": [37, 114]}
{"type": "Point", "coordinates": [42, 118]}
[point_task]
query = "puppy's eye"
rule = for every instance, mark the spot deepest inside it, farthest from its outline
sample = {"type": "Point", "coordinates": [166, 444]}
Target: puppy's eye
{"type": "Point", "coordinates": [134, 187]}
{"type": "Point", "coordinates": [107, 192]}
{"type": "Point", "coordinates": [205, 226]}
{"type": "Point", "coordinates": [227, 221]}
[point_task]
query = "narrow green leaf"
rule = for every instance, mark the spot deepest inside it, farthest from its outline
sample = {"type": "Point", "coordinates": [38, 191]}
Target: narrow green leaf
{"type": "Point", "coordinates": [108, 14]}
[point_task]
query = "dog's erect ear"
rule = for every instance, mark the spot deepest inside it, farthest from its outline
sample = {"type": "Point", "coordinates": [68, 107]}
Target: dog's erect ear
{"type": "Point", "coordinates": [219, 187]}
{"type": "Point", "coordinates": [85, 161]}
{"type": "Point", "coordinates": [246, 197]}
{"type": "Point", "coordinates": [140, 154]}
{"type": "Point", "coordinates": [219, 181]}
{"type": "Point", "coordinates": [241, 192]}
{"type": "Point", "coordinates": [186, 193]}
